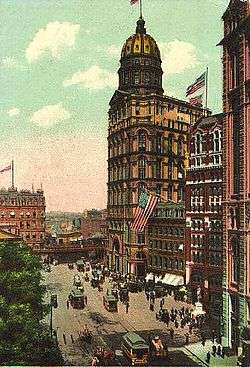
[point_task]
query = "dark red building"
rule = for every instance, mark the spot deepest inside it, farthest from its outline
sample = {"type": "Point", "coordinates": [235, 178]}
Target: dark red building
{"type": "Point", "coordinates": [22, 213]}
{"type": "Point", "coordinates": [203, 243]}
{"type": "Point", "coordinates": [236, 177]}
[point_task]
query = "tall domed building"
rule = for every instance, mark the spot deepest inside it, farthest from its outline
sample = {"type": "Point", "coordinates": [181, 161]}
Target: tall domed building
{"type": "Point", "coordinates": [147, 146]}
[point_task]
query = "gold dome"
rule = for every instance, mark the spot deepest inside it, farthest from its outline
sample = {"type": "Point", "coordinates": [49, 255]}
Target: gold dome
{"type": "Point", "coordinates": [140, 43]}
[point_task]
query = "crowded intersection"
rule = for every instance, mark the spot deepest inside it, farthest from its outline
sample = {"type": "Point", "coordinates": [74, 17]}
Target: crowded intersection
{"type": "Point", "coordinates": [98, 312]}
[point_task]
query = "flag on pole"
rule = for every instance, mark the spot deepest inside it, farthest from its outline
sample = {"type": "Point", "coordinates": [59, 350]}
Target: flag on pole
{"type": "Point", "coordinates": [132, 2]}
{"type": "Point", "coordinates": [197, 100]}
{"type": "Point", "coordinates": [8, 168]}
{"type": "Point", "coordinates": [198, 84]}
{"type": "Point", "coordinates": [146, 205]}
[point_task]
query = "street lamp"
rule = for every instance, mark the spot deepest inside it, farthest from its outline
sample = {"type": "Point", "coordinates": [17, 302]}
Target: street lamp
{"type": "Point", "coordinates": [53, 304]}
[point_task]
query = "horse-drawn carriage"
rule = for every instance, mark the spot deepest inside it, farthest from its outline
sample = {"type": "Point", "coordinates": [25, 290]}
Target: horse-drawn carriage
{"type": "Point", "coordinates": [158, 349]}
{"type": "Point", "coordinates": [86, 335]}
{"type": "Point", "coordinates": [104, 357]}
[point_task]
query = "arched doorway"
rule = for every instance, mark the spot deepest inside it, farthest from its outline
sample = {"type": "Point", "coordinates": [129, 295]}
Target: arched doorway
{"type": "Point", "coordinates": [140, 264]}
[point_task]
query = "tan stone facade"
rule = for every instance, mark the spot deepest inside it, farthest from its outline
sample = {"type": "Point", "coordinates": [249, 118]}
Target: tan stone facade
{"type": "Point", "coordinates": [147, 148]}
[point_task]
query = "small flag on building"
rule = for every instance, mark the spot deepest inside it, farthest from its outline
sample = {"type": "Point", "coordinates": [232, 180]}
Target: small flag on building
{"type": "Point", "coordinates": [8, 168]}
{"type": "Point", "coordinates": [132, 2]}
{"type": "Point", "coordinates": [146, 205]}
{"type": "Point", "coordinates": [196, 101]}
{"type": "Point", "coordinates": [198, 84]}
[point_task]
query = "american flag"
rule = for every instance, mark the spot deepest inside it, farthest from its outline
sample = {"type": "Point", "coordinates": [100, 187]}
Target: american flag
{"type": "Point", "coordinates": [8, 168]}
{"type": "Point", "coordinates": [146, 205]}
{"type": "Point", "coordinates": [132, 2]}
{"type": "Point", "coordinates": [198, 84]}
{"type": "Point", "coordinates": [196, 101]}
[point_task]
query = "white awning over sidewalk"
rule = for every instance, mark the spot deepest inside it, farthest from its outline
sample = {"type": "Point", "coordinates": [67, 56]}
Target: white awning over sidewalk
{"type": "Point", "coordinates": [172, 279]}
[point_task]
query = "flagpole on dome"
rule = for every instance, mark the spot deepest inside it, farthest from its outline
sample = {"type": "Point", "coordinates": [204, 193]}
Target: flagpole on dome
{"type": "Point", "coordinates": [141, 9]}
{"type": "Point", "coordinates": [12, 175]}
{"type": "Point", "coordinates": [206, 89]}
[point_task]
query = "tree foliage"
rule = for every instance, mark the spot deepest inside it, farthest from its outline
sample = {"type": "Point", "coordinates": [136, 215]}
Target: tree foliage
{"type": "Point", "coordinates": [24, 340]}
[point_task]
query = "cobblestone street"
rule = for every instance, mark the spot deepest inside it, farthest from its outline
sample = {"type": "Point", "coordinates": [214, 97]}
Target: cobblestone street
{"type": "Point", "coordinates": [107, 327]}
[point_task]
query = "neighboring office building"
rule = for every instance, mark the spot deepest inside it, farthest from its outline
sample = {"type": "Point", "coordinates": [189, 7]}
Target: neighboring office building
{"type": "Point", "coordinates": [147, 145]}
{"type": "Point", "coordinates": [22, 213]}
{"type": "Point", "coordinates": [165, 238]}
{"type": "Point", "coordinates": [236, 174]}
{"type": "Point", "coordinates": [204, 240]}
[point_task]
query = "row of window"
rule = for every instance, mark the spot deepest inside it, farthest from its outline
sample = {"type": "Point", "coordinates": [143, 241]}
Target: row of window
{"type": "Point", "coordinates": [199, 257]}
{"type": "Point", "coordinates": [20, 202]}
{"type": "Point", "coordinates": [167, 231]}
{"type": "Point", "coordinates": [213, 280]}
{"type": "Point", "coordinates": [166, 246]}
{"type": "Point", "coordinates": [13, 214]}
{"type": "Point", "coordinates": [214, 241]}
{"type": "Point", "coordinates": [33, 236]}
{"type": "Point", "coordinates": [166, 262]}
{"type": "Point", "coordinates": [157, 144]}
{"type": "Point", "coordinates": [215, 224]}
{"type": "Point", "coordinates": [198, 142]}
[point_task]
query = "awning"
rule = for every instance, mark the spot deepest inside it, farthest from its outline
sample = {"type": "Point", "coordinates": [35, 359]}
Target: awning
{"type": "Point", "coordinates": [172, 279]}
{"type": "Point", "coordinates": [149, 276]}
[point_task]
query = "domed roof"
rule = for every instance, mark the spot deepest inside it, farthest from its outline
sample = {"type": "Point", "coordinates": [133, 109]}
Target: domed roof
{"type": "Point", "coordinates": [140, 43]}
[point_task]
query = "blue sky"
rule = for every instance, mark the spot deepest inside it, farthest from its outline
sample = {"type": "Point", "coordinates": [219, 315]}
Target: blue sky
{"type": "Point", "coordinates": [58, 64]}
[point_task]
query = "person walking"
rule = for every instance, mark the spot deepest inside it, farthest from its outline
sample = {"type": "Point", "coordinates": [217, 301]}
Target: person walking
{"type": "Point", "coordinates": [219, 351]}
{"type": "Point", "coordinates": [208, 357]}
{"type": "Point", "coordinates": [187, 338]}
{"type": "Point", "coordinates": [214, 350]}
{"type": "Point", "coordinates": [67, 304]}
{"type": "Point", "coordinates": [127, 306]}
{"type": "Point", "coordinates": [171, 333]}
{"type": "Point", "coordinates": [213, 336]}
{"type": "Point", "coordinates": [85, 300]}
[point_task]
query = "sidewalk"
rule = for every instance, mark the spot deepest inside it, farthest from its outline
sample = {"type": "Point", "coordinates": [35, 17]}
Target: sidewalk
{"type": "Point", "coordinates": [201, 352]}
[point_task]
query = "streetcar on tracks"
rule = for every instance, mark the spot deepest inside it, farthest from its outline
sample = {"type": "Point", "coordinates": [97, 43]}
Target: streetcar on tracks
{"type": "Point", "coordinates": [77, 297]}
{"type": "Point", "coordinates": [110, 302]}
{"type": "Point", "coordinates": [135, 349]}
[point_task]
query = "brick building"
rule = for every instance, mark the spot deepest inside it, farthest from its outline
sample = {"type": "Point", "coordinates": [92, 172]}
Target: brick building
{"type": "Point", "coordinates": [147, 145]}
{"type": "Point", "coordinates": [165, 239]}
{"type": "Point", "coordinates": [23, 213]}
{"type": "Point", "coordinates": [236, 174]}
{"type": "Point", "coordinates": [203, 242]}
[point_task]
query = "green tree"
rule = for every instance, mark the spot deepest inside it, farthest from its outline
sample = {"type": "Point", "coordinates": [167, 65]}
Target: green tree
{"type": "Point", "coordinates": [24, 340]}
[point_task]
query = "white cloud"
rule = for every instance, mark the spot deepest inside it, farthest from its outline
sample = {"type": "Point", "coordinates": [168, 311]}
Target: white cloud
{"type": "Point", "coordinates": [8, 62]}
{"type": "Point", "coordinates": [114, 50]}
{"type": "Point", "coordinates": [50, 115]}
{"type": "Point", "coordinates": [54, 38]}
{"type": "Point", "coordinates": [178, 56]}
{"type": "Point", "coordinates": [13, 112]}
{"type": "Point", "coordinates": [94, 78]}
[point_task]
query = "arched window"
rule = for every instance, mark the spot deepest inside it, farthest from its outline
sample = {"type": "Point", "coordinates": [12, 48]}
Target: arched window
{"type": "Point", "coordinates": [180, 193]}
{"type": "Point", "coordinates": [170, 143]}
{"type": "Point", "coordinates": [142, 168]}
{"type": "Point", "coordinates": [137, 77]}
{"type": "Point", "coordinates": [235, 260]}
{"type": "Point", "coordinates": [142, 141]}
{"type": "Point", "coordinates": [180, 147]}
{"type": "Point", "coordinates": [216, 141]}
{"type": "Point", "coordinates": [198, 146]}
{"type": "Point", "coordinates": [170, 192]}
{"type": "Point", "coordinates": [170, 169]}
{"type": "Point", "coordinates": [158, 144]}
